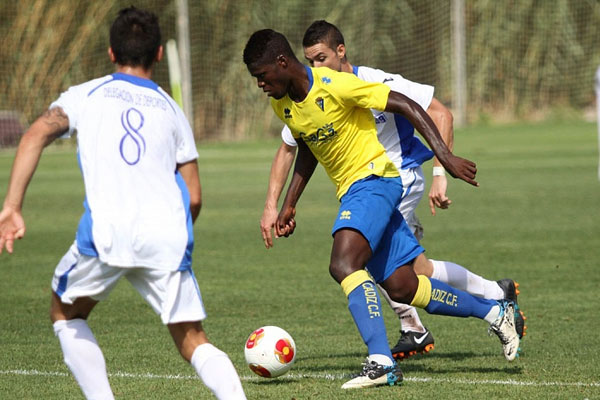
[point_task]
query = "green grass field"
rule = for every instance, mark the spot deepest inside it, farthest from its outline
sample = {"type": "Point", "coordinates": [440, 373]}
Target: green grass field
{"type": "Point", "coordinates": [535, 218]}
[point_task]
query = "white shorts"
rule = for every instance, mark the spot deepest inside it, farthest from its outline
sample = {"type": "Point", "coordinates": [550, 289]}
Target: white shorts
{"type": "Point", "coordinates": [413, 184]}
{"type": "Point", "coordinates": [174, 295]}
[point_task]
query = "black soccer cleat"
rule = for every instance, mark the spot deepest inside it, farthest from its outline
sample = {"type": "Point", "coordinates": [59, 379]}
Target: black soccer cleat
{"type": "Point", "coordinates": [411, 343]}
{"type": "Point", "coordinates": [511, 291]}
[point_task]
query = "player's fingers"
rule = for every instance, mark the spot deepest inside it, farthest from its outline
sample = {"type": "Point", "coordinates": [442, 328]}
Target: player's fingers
{"type": "Point", "coordinates": [9, 245]}
{"type": "Point", "coordinates": [431, 206]}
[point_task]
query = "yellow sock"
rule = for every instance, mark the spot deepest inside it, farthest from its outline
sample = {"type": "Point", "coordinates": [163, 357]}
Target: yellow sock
{"type": "Point", "coordinates": [423, 295]}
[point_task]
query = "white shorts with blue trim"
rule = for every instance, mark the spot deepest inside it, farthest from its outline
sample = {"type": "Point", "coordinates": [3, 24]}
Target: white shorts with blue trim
{"type": "Point", "coordinates": [174, 295]}
{"type": "Point", "coordinates": [413, 185]}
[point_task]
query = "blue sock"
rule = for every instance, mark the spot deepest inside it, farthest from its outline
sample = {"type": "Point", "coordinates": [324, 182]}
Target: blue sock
{"type": "Point", "coordinates": [365, 307]}
{"type": "Point", "coordinates": [446, 300]}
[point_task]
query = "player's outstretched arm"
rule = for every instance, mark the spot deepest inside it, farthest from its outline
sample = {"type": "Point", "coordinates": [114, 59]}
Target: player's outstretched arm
{"type": "Point", "coordinates": [456, 166]}
{"type": "Point", "coordinates": [41, 133]}
{"type": "Point", "coordinates": [191, 177]}
{"type": "Point", "coordinates": [280, 169]}
{"type": "Point", "coordinates": [303, 170]}
{"type": "Point", "coordinates": [444, 121]}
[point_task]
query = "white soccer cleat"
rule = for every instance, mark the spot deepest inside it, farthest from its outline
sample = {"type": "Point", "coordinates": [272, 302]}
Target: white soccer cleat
{"type": "Point", "coordinates": [504, 328]}
{"type": "Point", "coordinates": [375, 374]}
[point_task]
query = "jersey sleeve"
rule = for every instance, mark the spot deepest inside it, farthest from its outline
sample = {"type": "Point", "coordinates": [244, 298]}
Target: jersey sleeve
{"type": "Point", "coordinates": [287, 137]}
{"type": "Point", "coordinates": [419, 93]}
{"type": "Point", "coordinates": [358, 93]}
{"type": "Point", "coordinates": [186, 145]}
{"type": "Point", "coordinates": [70, 102]}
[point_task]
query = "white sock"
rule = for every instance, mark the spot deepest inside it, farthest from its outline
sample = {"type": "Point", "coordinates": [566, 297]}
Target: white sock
{"type": "Point", "coordinates": [492, 315]}
{"type": "Point", "coordinates": [84, 358]}
{"type": "Point", "coordinates": [381, 359]}
{"type": "Point", "coordinates": [461, 278]}
{"type": "Point", "coordinates": [409, 319]}
{"type": "Point", "coordinates": [217, 372]}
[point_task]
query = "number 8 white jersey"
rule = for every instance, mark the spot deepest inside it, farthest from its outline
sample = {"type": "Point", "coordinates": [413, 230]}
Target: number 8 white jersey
{"type": "Point", "coordinates": [131, 135]}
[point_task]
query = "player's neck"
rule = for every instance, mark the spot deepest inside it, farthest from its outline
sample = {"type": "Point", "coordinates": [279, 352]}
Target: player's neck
{"type": "Point", "coordinates": [299, 85]}
{"type": "Point", "coordinates": [347, 67]}
{"type": "Point", "coordinates": [140, 72]}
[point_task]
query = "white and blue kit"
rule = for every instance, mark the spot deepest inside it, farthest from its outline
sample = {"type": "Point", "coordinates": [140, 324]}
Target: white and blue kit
{"type": "Point", "coordinates": [131, 135]}
{"type": "Point", "coordinates": [397, 136]}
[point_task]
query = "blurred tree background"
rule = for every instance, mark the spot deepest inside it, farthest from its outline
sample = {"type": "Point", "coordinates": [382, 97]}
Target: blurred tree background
{"type": "Point", "coordinates": [525, 59]}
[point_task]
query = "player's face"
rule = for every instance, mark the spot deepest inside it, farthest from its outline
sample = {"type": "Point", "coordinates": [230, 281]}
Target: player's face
{"type": "Point", "coordinates": [269, 78]}
{"type": "Point", "coordinates": [321, 55]}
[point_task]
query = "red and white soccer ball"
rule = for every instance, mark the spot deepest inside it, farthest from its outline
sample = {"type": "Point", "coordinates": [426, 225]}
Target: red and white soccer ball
{"type": "Point", "coordinates": [270, 351]}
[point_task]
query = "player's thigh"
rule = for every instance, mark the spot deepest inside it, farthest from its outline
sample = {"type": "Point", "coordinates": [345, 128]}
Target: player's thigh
{"type": "Point", "coordinates": [174, 295]}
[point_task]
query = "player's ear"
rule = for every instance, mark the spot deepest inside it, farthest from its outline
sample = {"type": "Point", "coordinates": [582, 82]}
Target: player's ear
{"type": "Point", "coordinates": [341, 51]}
{"type": "Point", "coordinates": [159, 54]}
{"type": "Point", "coordinates": [282, 61]}
{"type": "Point", "coordinates": [111, 55]}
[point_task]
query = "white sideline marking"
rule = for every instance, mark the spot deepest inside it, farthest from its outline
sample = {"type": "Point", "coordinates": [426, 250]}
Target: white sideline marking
{"type": "Point", "coordinates": [510, 382]}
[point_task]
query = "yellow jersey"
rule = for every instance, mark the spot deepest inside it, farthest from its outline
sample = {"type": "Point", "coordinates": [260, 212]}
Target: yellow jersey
{"type": "Point", "coordinates": [336, 123]}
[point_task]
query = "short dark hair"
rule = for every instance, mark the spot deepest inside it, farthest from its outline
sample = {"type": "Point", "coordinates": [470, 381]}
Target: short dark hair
{"type": "Point", "coordinates": [265, 46]}
{"type": "Point", "coordinates": [322, 31]}
{"type": "Point", "coordinates": [135, 37]}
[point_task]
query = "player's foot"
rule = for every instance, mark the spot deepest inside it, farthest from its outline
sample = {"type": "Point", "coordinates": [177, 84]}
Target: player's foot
{"type": "Point", "coordinates": [411, 343]}
{"type": "Point", "coordinates": [511, 291]}
{"type": "Point", "coordinates": [504, 328]}
{"type": "Point", "coordinates": [375, 374]}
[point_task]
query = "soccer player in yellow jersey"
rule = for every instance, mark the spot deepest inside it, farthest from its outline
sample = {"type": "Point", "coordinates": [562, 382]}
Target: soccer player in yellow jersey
{"type": "Point", "coordinates": [328, 115]}
{"type": "Point", "coordinates": [324, 46]}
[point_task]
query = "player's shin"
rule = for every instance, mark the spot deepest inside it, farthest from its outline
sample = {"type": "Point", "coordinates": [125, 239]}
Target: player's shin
{"type": "Point", "coordinates": [84, 358]}
{"type": "Point", "coordinates": [365, 307]}
{"type": "Point", "coordinates": [437, 297]}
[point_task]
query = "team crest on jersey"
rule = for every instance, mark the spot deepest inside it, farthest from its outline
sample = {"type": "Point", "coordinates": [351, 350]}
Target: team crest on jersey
{"type": "Point", "coordinates": [320, 103]}
{"type": "Point", "coordinates": [287, 113]}
{"type": "Point", "coordinates": [326, 80]}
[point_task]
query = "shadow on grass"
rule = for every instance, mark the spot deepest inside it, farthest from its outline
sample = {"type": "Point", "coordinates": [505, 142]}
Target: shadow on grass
{"type": "Point", "coordinates": [345, 364]}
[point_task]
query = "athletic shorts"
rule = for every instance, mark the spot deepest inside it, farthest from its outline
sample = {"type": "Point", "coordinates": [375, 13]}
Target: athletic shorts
{"type": "Point", "coordinates": [369, 207]}
{"type": "Point", "coordinates": [413, 185]}
{"type": "Point", "coordinates": [174, 295]}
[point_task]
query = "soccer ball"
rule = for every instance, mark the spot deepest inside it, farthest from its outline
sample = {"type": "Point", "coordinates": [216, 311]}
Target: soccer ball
{"type": "Point", "coordinates": [270, 351]}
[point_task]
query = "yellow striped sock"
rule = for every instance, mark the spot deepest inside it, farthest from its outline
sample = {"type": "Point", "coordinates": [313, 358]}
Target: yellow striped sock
{"type": "Point", "coordinates": [423, 295]}
{"type": "Point", "coordinates": [354, 280]}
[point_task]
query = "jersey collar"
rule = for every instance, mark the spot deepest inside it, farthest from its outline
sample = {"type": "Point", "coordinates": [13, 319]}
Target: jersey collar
{"type": "Point", "coordinates": [136, 80]}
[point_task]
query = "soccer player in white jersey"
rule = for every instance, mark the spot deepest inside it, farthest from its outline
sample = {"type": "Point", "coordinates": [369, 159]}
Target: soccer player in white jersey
{"type": "Point", "coordinates": [137, 156]}
{"type": "Point", "coordinates": [324, 47]}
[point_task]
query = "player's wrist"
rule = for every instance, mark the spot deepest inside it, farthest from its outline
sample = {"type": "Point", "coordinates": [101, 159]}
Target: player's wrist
{"type": "Point", "coordinates": [439, 171]}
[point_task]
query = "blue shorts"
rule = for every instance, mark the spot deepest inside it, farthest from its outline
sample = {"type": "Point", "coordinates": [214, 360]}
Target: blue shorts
{"type": "Point", "coordinates": [369, 207]}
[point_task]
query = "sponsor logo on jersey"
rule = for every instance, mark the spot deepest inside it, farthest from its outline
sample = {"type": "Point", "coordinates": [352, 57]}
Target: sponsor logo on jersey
{"type": "Point", "coordinates": [346, 214]}
{"type": "Point", "coordinates": [320, 103]}
{"type": "Point", "coordinates": [323, 135]}
{"type": "Point", "coordinates": [388, 80]}
{"type": "Point", "coordinates": [287, 113]}
{"type": "Point", "coordinates": [326, 80]}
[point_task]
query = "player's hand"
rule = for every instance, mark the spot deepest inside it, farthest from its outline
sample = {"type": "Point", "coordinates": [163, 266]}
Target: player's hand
{"type": "Point", "coordinates": [461, 168]}
{"type": "Point", "coordinates": [437, 194]}
{"type": "Point", "coordinates": [267, 224]}
{"type": "Point", "coordinates": [12, 227]}
{"type": "Point", "coordinates": [286, 224]}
